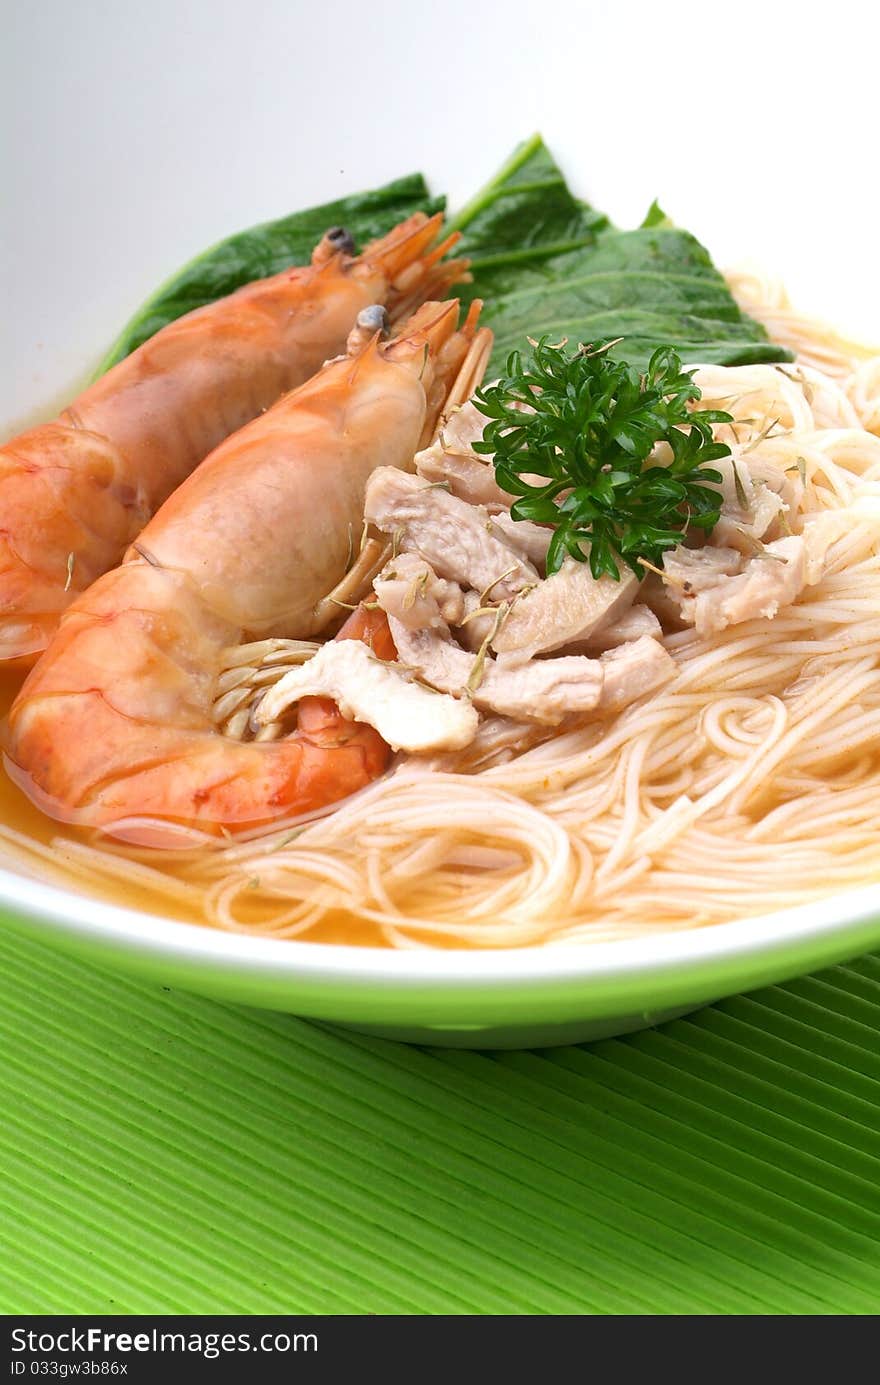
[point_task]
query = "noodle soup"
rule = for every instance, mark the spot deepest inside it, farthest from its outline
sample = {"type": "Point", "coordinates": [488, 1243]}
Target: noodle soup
{"type": "Point", "coordinates": [747, 782]}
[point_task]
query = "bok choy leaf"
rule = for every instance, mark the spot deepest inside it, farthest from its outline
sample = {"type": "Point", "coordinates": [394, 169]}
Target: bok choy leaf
{"type": "Point", "coordinates": [546, 264]}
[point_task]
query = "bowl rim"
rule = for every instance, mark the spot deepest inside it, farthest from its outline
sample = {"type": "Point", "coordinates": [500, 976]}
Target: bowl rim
{"type": "Point", "coordinates": [246, 955]}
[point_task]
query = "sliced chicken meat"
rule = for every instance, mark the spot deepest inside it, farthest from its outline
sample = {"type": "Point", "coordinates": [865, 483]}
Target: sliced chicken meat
{"type": "Point", "coordinates": [785, 481]}
{"type": "Point", "coordinates": [716, 587]}
{"type": "Point", "coordinates": [407, 715]}
{"type": "Point", "coordinates": [632, 670]}
{"type": "Point", "coordinates": [546, 691]}
{"type": "Point", "coordinates": [750, 509]}
{"type": "Point", "coordinates": [470, 478]}
{"type": "Point", "coordinates": [451, 458]}
{"type": "Point", "coordinates": [690, 571]}
{"type": "Point", "coordinates": [410, 589]}
{"type": "Point", "coordinates": [528, 540]}
{"type": "Point", "coordinates": [632, 625]}
{"type": "Point", "coordinates": [451, 535]}
{"type": "Point", "coordinates": [461, 428]}
{"type": "Point", "coordinates": [564, 609]}
{"type": "Point", "coordinates": [478, 624]}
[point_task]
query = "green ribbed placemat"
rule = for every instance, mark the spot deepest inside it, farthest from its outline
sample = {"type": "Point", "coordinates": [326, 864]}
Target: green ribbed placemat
{"type": "Point", "coordinates": [166, 1154]}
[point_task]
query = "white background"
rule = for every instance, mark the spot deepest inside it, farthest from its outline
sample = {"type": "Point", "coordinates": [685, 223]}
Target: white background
{"type": "Point", "coordinates": [137, 133]}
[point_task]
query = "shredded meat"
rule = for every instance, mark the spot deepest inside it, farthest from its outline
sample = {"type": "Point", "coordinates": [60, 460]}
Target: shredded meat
{"type": "Point", "coordinates": [690, 571]}
{"type": "Point", "coordinates": [451, 535]}
{"type": "Point", "coordinates": [632, 670]}
{"type": "Point", "coordinates": [563, 609]}
{"type": "Point", "coordinates": [406, 715]}
{"type": "Point", "coordinates": [717, 587]}
{"type": "Point", "coordinates": [528, 540]}
{"type": "Point", "coordinates": [545, 691]}
{"type": "Point", "coordinates": [749, 508]}
{"type": "Point", "coordinates": [786, 483]}
{"type": "Point", "coordinates": [461, 428]}
{"type": "Point", "coordinates": [451, 458]}
{"type": "Point", "coordinates": [410, 589]}
{"type": "Point", "coordinates": [632, 625]}
{"type": "Point", "coordinates": [475, 629]}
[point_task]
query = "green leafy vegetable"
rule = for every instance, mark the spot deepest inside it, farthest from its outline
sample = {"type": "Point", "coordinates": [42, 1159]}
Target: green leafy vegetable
{"type": "Point", "coordinates": [267, 249]}
{"type": "Point", "coordinates": [526, 215]}
{"type": "Point", "coordinates": [586, 425]}
{"type": "Point", "coordinates": [547, 264]}
{"type": "Point", "coordinates": [655, 216]}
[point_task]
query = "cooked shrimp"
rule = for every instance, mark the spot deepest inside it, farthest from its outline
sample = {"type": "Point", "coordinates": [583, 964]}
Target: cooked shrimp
{"type": "Point", "coordinates": [116, 720]}
{"type": "Point", "coordinates": [76, 491]}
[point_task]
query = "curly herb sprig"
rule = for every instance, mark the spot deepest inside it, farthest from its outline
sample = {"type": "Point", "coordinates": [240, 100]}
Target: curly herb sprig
{"type": "Point", "coordinates": [576, 453]}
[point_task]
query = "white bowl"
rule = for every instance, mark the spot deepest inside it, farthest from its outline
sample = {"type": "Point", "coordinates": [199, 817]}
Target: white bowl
{"type": "Point", "coordinates": [523, 997]}
{"type": "Point", "coordinates": [167, 127]}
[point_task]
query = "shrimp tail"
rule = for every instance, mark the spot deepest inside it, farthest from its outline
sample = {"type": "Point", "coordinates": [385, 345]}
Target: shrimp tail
{"type": "Point", "coordinates": [138, 775]}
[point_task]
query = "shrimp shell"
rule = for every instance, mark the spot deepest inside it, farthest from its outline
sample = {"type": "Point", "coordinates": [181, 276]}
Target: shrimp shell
{"type": "Point", "coordinates": [76, 491]}
{"type": "Point", "coordinates": [117, 720]}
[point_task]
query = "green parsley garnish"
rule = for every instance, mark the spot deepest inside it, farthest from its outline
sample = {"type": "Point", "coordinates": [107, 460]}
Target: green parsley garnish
{"type": "Point", "coordinates": [577, 458]}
